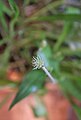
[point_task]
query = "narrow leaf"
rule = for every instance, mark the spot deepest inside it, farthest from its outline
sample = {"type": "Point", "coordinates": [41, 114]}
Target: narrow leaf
{"type": "Point", "coordinates": [31, 83]}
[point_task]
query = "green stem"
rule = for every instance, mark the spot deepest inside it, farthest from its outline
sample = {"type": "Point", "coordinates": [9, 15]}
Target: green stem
{"type": "Point", "coordinates": [70, 52]}
{"type": "Point", "coordinates": [44, 10]}
{"type": "Point", "coordinates": [64, 34]}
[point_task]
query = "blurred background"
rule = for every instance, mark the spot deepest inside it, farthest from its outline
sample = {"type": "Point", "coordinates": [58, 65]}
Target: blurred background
{"type": "Point", "coordinates": [50, 29]}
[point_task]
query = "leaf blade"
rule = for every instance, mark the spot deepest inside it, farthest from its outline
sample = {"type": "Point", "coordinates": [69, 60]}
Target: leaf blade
{"type": "Point", "coordinates": [31, 83]}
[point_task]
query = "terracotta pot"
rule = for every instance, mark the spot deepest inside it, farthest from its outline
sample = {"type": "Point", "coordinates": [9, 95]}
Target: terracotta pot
{"type": "Point", "coordinates": [72, 115]}
{"type": "Point", "coordinates": [57, 106]}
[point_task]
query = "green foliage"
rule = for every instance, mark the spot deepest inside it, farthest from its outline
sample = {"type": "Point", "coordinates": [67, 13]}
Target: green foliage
{"type": "Point", "coordinates": [46, 31]}
{"type": "Point", "coordinates": [6, 10]}
{"type": "Point", "coordinates": [39, 108]}
{"type": "Point", "coordinates": [13, 6]}
{"type": "Point", "coordinates": [62, 16]}
{"type": "Point", "coordinates": [31, 83]}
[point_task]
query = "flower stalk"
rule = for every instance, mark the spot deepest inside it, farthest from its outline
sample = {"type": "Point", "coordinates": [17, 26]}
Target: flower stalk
{"type": "Point", "coordinates": [38, 63]}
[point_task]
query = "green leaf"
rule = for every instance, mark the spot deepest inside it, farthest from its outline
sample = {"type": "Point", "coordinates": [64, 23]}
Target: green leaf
{"type": "Point", "coordinates": [39, 109]}
{"type": "Point", "coordinates": [31, 83]}
{"type": "Point", "coordinates": [16, 12]}
{"type": "Point", "coordinates": [64, 17]}
{"type": "Point", "coordinates": [56, 17]}
{"type": "Point", "coordinates": [45, 53]}
{"type": "Point", "coordinates": [73, 10]}
{"type": "Point", "coordinates": [67, 94]}
{"type": "Point", "coordinates": [77, 109]}
{"type": "Point", "coordinates": [13, 5]}
{"type": "Point", "coordinates": [71, 88]}
{"type": "Point", "coordinates": [66, 31]}
{"type": "Point", "coordinates": [3, 21]}
{"type": "Point", "coordinates": [76, 80]}
{"type": "Point", "coordinates": [5, 9]}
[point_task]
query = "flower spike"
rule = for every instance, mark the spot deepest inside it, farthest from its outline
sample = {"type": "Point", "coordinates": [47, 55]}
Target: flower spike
{"type": "Point", "coordinates": [38, 63]}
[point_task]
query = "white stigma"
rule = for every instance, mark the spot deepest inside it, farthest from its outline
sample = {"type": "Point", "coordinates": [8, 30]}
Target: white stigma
{"type": "Point", "coordinates": [37, 62]}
